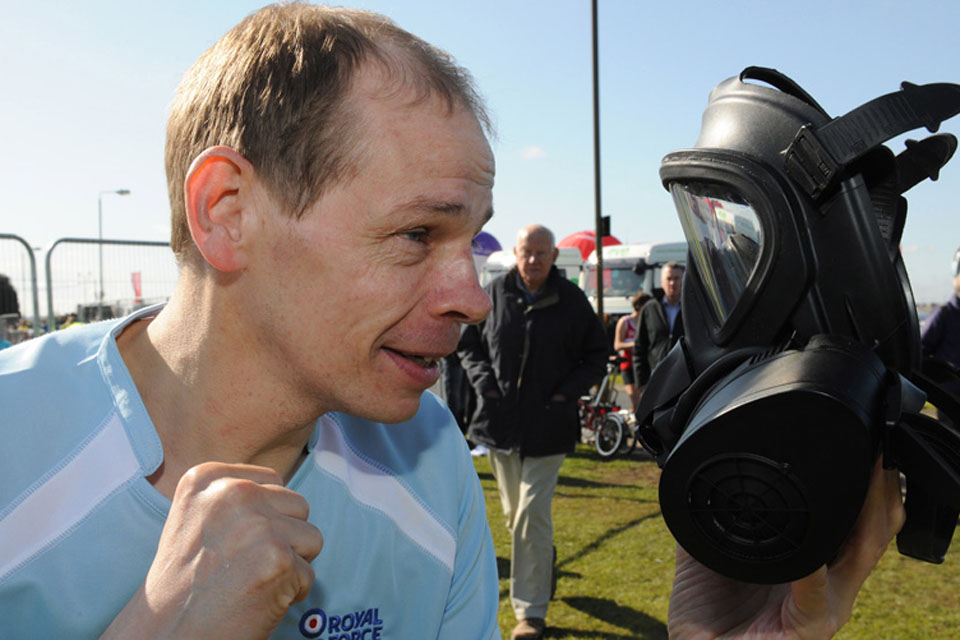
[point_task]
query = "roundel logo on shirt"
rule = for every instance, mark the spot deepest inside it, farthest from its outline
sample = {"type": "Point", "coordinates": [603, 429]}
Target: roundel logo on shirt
{"type": "Point", "coordinates": [362, 624]}
{"type": "Point", "coordinates": [313, 622]}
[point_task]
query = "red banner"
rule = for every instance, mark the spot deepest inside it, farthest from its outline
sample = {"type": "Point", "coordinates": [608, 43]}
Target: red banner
{"type": "Point", "coordinates": [137, 288]}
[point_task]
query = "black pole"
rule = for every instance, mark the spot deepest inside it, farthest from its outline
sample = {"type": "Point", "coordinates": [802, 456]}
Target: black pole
{"type": "Point", "coordinates": [598, 214]}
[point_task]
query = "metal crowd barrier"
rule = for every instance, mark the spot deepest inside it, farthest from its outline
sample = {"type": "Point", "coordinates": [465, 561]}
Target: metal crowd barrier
{"type": "Point", "coordinates": [155, 273]}
{"type": "Point", "coordinates": [99, 278]}
{"type": "Point", "coordinates": [12, 270]}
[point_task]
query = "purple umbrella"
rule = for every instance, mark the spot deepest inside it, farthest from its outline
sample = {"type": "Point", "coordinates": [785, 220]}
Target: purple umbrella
{"type": "Point", "coordinates": [485, 244]}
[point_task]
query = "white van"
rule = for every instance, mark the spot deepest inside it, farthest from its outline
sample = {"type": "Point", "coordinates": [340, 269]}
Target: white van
{"type": "Point", "coordinates": [620, 280]}
{"type": "Point", "coordinates": [499, 262]}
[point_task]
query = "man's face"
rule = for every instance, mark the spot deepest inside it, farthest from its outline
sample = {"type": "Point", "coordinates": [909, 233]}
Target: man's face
{"type": "Point", "coordinates": [359, 298]}
{"type": "Point", "coordinates": [535, 255]}
{"type": "Point", "coordinates": [671, 279]}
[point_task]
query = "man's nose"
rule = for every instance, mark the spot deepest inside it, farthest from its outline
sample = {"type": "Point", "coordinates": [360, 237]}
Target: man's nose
{"type": "Point", "coordinates": [461, 296]}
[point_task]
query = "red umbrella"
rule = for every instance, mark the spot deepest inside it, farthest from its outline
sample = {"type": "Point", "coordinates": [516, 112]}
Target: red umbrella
{"type": "Point", "coordinates": [586, 242]}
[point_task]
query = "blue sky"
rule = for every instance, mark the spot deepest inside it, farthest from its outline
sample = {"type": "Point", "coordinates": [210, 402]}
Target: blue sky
{"type": "Point", "coordinates": [86, 89]}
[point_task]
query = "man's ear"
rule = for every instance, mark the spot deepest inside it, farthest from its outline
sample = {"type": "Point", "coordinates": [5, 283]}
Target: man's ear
{"type": "Point", "coordinates": [217, 192]}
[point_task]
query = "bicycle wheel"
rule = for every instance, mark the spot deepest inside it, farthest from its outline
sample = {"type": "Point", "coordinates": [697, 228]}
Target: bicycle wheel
{"type": "Point", "coordinates": [610, 433]}
{"type": "Point", "coordinates": [629, 442]}
{"type": "Point", "coordinates": [585, 413]}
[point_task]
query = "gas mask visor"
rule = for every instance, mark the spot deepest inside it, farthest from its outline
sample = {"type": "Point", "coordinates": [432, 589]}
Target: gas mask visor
{"type": "Point", "coordinates": [724, 239]}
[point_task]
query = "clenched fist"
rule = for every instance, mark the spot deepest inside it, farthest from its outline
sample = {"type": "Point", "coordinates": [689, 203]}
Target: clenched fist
{"type": "Point", "coordinates": [234, 555]}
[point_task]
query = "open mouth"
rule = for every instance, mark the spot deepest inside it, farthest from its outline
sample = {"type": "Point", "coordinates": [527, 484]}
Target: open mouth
{"type": "Point", "coordinates": [421, 361]}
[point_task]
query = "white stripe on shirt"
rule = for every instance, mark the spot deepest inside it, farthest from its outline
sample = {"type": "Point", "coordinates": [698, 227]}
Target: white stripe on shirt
{"type": "Point", "coordinates": [375, 488]}
{"type": "Point", "coordinates": [105, 463]}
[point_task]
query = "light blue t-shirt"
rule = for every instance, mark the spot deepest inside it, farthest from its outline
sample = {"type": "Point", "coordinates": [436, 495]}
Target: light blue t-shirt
{"type": "Point", "coordinates": [407, 550]}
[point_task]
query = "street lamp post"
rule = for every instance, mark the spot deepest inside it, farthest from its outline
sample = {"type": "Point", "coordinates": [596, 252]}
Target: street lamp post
{"type": "Point", "coordinates": [118, 192]}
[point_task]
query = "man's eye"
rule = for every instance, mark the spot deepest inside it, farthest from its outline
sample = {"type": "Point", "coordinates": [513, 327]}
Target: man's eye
{"type": "Point", "coordinates": [415, 235]}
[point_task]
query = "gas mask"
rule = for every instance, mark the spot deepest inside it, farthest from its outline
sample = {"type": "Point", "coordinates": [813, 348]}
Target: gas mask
{"type": "Point", "coordinates": [800, 362]}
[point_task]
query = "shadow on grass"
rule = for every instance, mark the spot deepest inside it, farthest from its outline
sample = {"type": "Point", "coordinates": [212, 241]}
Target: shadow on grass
{"type": "Point", "coordinates": [578, 496]}
{"type": "Point", "coordinates": [636, 623]}
{"type": "Point", "coordinates": [578, 483]}
{"type": "Point", "coordinates": [567, 481]}
{"type": "Point", "coordinates": [503, 572]}
{"type": "Point", "coordinates": [503, 564]}
{"type": "Point", "coordinates": [503, 568]}
{"type": "Point", "coordinates": [586, 453]}
{"type": "Point", "coordinates": [581, 483]}
{"type": "Point", "coordinates": [593, 546]}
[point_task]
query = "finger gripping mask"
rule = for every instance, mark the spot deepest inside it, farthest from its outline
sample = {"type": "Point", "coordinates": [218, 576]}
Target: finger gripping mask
{"type": "Point", "coordinates": [800, 362]}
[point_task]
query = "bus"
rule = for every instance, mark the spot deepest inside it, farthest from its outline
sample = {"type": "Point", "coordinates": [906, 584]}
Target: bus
{"type": "Point", "coordinates": [628, 269]}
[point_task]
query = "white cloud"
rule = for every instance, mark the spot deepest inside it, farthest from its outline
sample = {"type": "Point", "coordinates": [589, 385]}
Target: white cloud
{"type": "Point", "coordinates": [533, 153]}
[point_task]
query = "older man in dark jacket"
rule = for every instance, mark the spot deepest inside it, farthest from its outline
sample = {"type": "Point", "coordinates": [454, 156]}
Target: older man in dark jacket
{"type": "Point", "coordinates": [537, 352]}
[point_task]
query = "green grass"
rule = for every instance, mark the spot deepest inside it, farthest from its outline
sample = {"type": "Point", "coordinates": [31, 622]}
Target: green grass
{"type": "Point", "coordinates": [615, 559]}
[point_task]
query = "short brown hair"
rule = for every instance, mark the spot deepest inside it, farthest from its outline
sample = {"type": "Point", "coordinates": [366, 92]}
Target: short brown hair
{"type": "Point", "coordinates": [640, 299]}
{"type": "Point", "coordinates": [273, 89]}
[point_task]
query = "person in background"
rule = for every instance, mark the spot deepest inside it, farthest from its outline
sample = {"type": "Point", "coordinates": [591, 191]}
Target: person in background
{"type": "Point", "coordinates": [940, 337]}
{"type": "Point", "coordinates": [9, 309]}
{"type": "Point", "coordinates": [660, 325]}
{"type": "Point", "coordinates": [9, 302]}
{"type": "Point", "coordinates": [456, 390]}
{"type": "Point", "coordinates": [70, 320]}
{"type": "Point", "coordinates": [538, 351]}
{"type": "Point", "coordinates": [624, 336]}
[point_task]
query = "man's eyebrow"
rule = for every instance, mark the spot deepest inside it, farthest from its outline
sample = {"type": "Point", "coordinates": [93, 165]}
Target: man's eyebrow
{"type": "Point", "coordinates": [442, 206]}
{"type": "Point", "coordinates": [433, 205]}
